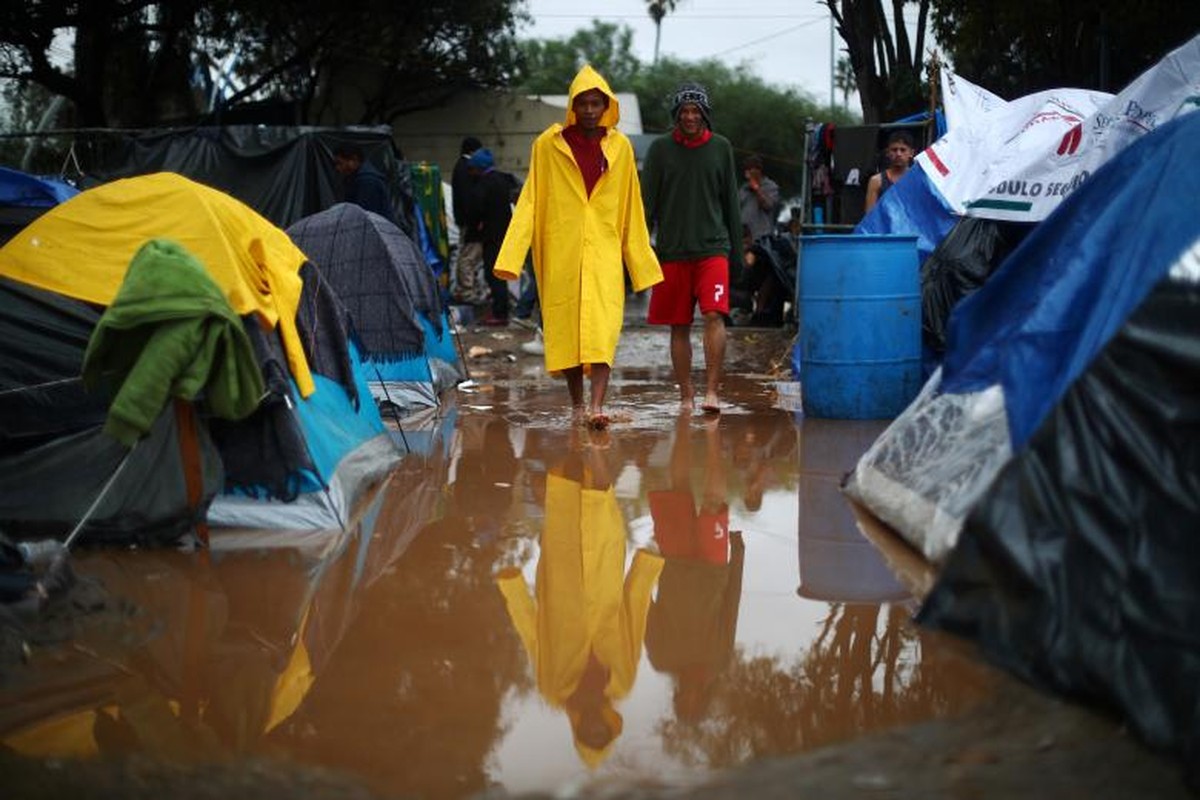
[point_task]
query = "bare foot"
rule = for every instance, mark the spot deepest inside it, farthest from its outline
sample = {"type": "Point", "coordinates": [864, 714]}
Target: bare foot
{"type": "Point", "coordinates": [687, 398]}
{"type": "Point", "coordinates": [711, 404]}
{"type": "Point", "coordinates": [579, 415]}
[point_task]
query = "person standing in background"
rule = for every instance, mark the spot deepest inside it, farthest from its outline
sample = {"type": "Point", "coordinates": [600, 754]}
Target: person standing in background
{"type": "Point", "coordinates": [758, 199]}
{"type": "Point", "coordinates": [469, 258]}
{"type": "Point", "coordinates": [898, 154]}
{"type": "Point", "coordinates": [364, 184]}
{"type": "Point", "coordinates": [494, 196]}
{"type": "Point", "coordinates": [690, 188]}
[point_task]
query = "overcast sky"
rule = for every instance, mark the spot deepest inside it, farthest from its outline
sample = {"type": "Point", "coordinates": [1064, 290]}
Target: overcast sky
{"type": "Point", "coordinates": [786, 42]}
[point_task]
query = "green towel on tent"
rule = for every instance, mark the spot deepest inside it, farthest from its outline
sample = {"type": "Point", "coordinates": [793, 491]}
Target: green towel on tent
{"type": "Point", "coordinates": [170, 332]}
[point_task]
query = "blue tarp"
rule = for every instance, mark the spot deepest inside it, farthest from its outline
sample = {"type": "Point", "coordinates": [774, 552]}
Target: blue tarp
{"type": "Point", "coordinates": [31, 191]}
{"type": "Point", "coordinates": [912, 207]}
{"type": "Point", "coordinates": [939, 121]}
{"type": "Point", "coordinates": [1060, 296]}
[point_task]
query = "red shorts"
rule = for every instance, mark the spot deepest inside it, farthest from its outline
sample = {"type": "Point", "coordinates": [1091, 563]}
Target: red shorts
{"type": "Point", "coordinates": [681, 532]}
{"type": "Point", "coordinates": [685, 283]}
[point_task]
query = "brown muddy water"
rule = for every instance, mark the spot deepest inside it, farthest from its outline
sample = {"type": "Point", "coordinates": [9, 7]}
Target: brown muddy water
{"type": "Point", "coordinates": [524, 606]}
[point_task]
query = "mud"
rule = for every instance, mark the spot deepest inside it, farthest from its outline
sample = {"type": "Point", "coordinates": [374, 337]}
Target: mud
{"type": "Point", "coordinates": [679, 605]}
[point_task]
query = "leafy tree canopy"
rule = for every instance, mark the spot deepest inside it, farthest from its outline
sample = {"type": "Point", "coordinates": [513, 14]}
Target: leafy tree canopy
{"type": "Point", "coordinates": [134, 62]}
{"type": "Point", "coordinates": [1014, 49]}
{"type": "Point", "coordinates": [607, 47]}
{"type": "Point", "coordinates": [754, 116]}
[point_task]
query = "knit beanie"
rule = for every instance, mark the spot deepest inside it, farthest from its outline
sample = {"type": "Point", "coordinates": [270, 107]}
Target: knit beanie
{"type": "Point", "coordinates": [691, 93]}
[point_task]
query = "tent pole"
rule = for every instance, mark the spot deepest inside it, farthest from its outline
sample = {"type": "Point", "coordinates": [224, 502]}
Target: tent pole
{"type": "Point", "coordinates": [59, 562]}
{"type": "Point", "coordinates": [395, 413]}
{"type": "Point", "coordinates": [87, 515]}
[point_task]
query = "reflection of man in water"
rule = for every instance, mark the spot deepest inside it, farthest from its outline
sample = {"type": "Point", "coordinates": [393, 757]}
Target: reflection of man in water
{"type": "Point", "coordinates": [759, 443]}
{"type": "Point", "coordinates": [583, 631]}
{"type": "Point", "coordinates": [692, 624]}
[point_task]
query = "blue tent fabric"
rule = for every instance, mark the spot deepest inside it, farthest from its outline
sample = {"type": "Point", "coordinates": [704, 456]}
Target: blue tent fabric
{"type": "Point", "coordinates": [1016, 345]}
{"type": "Point", "coordinates": [333, 424]}
{"type": "Point", "coordinates": [31, 191]}
{"type": "Point", "coordinates": [428, 247]}
{"type": "Point", "coordinates": [912, 207]}
{"type": "Point", "coordinates": [1060, 296]}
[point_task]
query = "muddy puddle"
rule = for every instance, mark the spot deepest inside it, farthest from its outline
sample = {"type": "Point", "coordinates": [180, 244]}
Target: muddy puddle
{"type": "Point", "coordinates": [524, 606]}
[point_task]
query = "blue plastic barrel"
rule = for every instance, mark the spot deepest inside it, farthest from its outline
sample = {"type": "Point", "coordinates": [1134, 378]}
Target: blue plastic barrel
{"type": "Point", "coordinates": [859, 308]}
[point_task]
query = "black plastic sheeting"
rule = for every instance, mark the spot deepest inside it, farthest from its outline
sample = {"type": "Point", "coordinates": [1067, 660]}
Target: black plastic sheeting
{"type": "Point", "coordinates": [1079, 570]}
{"type": "Point", "coordinates": [960, 264]}
{"type": "Point", "coordinates": [44, 335]}
{"type": "Point", "coordinates": [283, 173]}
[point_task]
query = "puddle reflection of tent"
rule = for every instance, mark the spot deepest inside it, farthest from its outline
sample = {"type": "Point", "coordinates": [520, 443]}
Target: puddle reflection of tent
{"type": "Point", "coordinates": [197, 656]}
{"type": "Point", "coordinates": [196, 674]}
{"type": "Point", "coordinates": [297, 461]}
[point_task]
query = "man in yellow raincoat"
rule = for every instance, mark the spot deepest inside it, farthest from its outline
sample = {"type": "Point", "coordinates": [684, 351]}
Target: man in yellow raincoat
{"type": "Point", "coordinates": [581, 211]}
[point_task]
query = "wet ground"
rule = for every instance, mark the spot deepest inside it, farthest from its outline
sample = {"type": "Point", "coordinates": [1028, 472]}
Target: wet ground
{"type": "Point", "coordinates": [678, 605]}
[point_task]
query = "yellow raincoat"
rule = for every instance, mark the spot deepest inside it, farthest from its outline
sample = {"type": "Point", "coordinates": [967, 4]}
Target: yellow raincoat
{"type": "Point", "coordinates": [579, 242]}
{"type": "Point", "coordinates": [585, 604]}
{"type": "Point", "coordinates": [83, 247]}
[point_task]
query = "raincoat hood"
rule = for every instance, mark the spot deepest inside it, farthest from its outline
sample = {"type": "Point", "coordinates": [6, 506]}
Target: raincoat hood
{"type": "Point", "coordinates": [587, 79]}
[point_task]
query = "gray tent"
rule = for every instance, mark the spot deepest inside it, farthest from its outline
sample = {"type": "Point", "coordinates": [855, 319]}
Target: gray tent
{"type": "Point", "coordinates": [392, 297]}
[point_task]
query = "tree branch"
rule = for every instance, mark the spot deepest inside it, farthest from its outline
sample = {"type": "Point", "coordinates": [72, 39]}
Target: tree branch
{"type": "Point", "coordinates": [903, 53]}
{"type": "Point", "coordinates": [922, 19]}
{"type": "Point", "coordinates": [884, 36]}
{"type": "Point", "coordinates": [301, 56]}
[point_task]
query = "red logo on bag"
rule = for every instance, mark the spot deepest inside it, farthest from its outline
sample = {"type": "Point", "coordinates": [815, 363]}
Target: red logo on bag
{"type": "Point", "coordinates": [1070, 141]}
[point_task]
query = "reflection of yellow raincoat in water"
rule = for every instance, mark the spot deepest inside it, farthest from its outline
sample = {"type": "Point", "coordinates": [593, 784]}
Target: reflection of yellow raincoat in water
{"type": "Point", "coordinates": [579, 241]}
{"type": "Point", "coordinates": [585, 604]}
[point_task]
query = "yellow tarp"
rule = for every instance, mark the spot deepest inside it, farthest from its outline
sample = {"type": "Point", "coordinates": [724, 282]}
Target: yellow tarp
{"type": "Point", "coordinates": [82, 248]}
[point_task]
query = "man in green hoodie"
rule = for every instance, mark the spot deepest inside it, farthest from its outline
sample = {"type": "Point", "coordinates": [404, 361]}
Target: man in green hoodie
{"type": "Point", "coordinates": [690, 189]}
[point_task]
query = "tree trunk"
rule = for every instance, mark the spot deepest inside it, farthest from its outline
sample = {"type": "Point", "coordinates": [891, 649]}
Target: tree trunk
{"type": "Point", "coordinates": [887, 69]}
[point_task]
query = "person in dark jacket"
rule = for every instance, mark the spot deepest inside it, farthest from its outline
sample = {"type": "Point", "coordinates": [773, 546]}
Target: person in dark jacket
{"type": "Point", "coordinates": [364, 184]}
{"type": "Point", "coordinates": [469, 256]}
{"type": "Point", "coordinates": [494, 193]}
